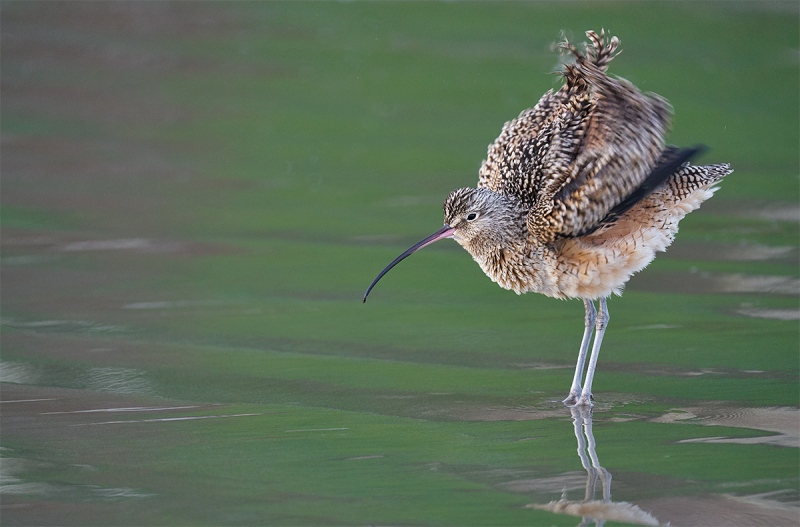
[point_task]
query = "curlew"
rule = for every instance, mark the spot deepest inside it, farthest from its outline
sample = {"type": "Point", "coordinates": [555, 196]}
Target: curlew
{"type": "Point", "coordinates": [577, 194]}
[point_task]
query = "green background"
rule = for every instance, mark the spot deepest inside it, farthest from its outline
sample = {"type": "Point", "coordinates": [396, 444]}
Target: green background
{"type": "Point", "coordinates": [196, 195]}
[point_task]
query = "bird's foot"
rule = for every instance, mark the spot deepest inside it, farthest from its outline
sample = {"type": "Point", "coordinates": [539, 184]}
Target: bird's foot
{"type": "Point", "coordinates": [571, 399]}
{"type": "Point", "coordinates": [585, 400]}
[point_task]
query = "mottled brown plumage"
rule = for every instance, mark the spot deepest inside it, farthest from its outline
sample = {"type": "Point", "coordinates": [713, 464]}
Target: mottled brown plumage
{"type": "Point", "coordinates": [578, 193]}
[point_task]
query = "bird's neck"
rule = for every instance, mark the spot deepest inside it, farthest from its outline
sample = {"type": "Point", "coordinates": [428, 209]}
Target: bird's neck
{"type": "Point", "coordinates": [521, 267]}
{"type": "Point", "coordinates": [504, 264]}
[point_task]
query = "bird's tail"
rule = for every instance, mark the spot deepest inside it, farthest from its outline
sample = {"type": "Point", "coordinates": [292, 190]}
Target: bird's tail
{"type": "Point", "coordinates": [692, 177]}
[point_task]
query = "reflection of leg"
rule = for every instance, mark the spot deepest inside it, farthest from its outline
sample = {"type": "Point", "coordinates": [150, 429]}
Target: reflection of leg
{"type": "Point", "coordinates": [591, 474]}
{"type": "Point", "coordinates": [587, 429]}
{"type": "Point", "coordinates": [577, 421]}
{"type": "Point", "coordinates": [593, 511]}
{"type": "Point", "coordinates": [605, 476]}
{"type": "Point", "coordinates": [589, 322]}
{"type": "Point", "coordinates": [600, 328]}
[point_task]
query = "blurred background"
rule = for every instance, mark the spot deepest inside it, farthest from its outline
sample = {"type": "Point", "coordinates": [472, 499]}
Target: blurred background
{"type": "Point", "coordinates": [195, 196]}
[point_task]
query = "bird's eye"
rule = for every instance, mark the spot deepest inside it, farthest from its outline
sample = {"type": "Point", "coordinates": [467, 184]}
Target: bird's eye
{"type": "Point", "coordinates": [472, 216]}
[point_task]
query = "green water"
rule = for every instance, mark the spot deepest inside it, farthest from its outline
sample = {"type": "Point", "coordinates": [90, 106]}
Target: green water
{"type": "Point", "coordinates": [195, 196]}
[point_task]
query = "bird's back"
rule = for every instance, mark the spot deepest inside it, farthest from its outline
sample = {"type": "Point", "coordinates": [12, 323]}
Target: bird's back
{"type": "Point", "coordinates": [582, 149]}
{"type": "Point", "coordinates": [602, 192]}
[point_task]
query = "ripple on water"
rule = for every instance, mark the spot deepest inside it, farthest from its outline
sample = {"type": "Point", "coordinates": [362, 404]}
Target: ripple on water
{"type": "Point", "coordinates": [12, 481]}
{"type": "Point", "coordinates": [782, 421]}
{"type": "Point", "coordinates": [103, 379]}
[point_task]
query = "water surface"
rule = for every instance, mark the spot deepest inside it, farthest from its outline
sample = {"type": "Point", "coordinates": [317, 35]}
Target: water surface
{"type": "Point", "coordinates": [195, 197]}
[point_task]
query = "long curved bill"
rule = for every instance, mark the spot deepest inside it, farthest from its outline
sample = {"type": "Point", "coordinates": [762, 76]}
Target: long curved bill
{"type": "Point", "coordinates": [444, 232]}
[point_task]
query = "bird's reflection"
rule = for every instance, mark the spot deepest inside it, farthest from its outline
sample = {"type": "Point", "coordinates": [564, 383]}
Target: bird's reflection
{"type": "Point", "coordinates": [590, 509]}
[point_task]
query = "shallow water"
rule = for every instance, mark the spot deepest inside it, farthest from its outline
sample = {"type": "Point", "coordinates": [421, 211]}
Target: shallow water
{"type": "Point", "coordinates": [91, 457]}
{"type": "Point", "coordinates": [194, 199]}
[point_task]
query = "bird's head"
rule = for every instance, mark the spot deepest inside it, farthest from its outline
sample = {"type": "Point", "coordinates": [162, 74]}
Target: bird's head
{"type": "Point", "coordinates": [483, 220]}
{"type": "Point", "coordinates": [479, 219]}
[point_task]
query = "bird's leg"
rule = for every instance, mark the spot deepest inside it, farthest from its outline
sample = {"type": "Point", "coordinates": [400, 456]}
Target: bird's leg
{"type": "Point", "coordinates": [589, 322]}
{"type": "Point", "coordinates": [600, 328]}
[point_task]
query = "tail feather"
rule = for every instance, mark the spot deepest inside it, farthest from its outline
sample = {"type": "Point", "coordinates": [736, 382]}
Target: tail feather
{"type": "Point", "coordinates": [690, 178]}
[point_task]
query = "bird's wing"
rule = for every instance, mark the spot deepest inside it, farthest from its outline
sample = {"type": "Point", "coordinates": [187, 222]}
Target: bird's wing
{"type": "Point", "coordinates": [514, 163]}
{"type": "Point", "coordinates": [582, 150]}
{"type": "Point", "coordinates": [672, 161]}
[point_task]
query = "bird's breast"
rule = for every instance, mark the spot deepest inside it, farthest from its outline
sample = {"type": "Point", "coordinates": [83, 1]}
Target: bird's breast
{"type": "Point", "coordinates": [522, 269]}
{"type": "Point", "coordinates": [570, 268]}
